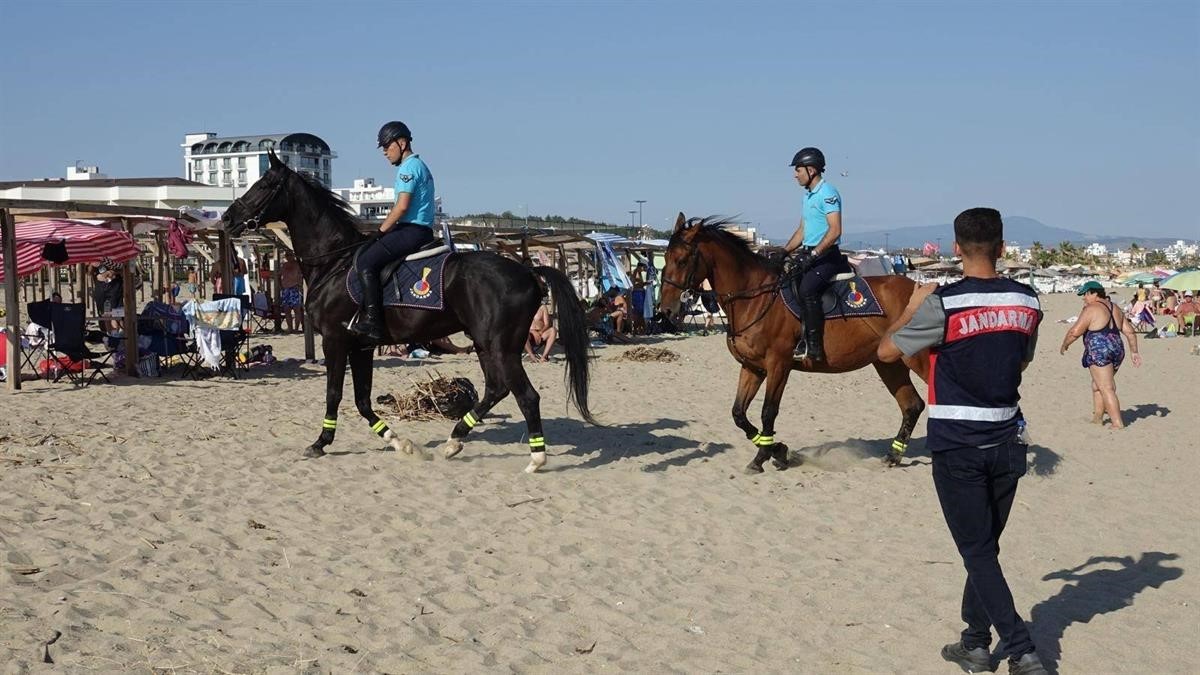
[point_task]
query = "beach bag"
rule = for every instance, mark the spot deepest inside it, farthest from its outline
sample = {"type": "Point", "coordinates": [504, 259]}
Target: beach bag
{"type": "Point", "coordinates": [52, 368]}
{"type": "Point", "coordinates": [147, 366]}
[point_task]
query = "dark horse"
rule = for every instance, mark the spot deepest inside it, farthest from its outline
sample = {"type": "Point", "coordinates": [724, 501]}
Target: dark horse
{"type": "Point", "coordinates": [491, 298]}
{"type": "Point", "coordinates": [762, 332]}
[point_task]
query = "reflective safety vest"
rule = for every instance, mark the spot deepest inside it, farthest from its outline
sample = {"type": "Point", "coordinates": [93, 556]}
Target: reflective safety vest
{"type": "Point", "coordinates": [975, 372]}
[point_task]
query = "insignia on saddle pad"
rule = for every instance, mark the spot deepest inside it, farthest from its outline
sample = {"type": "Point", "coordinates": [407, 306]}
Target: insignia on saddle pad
{"type": "Point", "coordinates": [855, 299]}
{"type": "Point", "coordinates": [422, 288]}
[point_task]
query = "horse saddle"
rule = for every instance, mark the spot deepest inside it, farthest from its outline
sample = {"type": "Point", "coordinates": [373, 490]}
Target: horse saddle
{"type": "Point", "coordinates": [849, 296]}
{"type": "Point", "coordinates": [412, 281]}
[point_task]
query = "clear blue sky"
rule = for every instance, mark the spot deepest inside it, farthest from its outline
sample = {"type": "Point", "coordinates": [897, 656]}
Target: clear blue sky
{"type": "Point", "coordinates": [1085, 115]}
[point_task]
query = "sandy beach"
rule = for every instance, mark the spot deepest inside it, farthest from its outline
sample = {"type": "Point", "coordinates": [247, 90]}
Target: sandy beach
{"type": "Point", "coordinates": [170, 525]}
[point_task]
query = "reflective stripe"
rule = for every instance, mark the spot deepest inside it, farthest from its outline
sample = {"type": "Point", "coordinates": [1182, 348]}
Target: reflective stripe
{"type": "Point", "coordinates": [469, 420]}
{"type": "Point", "coordinates": [537, 442]}
{"type": "Point", "coordinates": [899, 446]}
{"type": "Point", "coordinates": [971, 413]}
{"type": "Point", "coordinates": [379, 427]}
{"type": "Point", "coordinates": [761, 440]}
{"type": "Point", "coordinates": [329, 424]}
{"type": "Point", "coordinates": [989, 300]}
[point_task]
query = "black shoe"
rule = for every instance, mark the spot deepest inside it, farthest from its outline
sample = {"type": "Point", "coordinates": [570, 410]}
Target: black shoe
{"type": "Point", "coordinates": [1028, 664]}
{"type": "Point", "coordinates": [975, 660]}
{"type": "Point", "coordinates": [814, 328]}
{"type": "Point", "coordinates": [369, 326]}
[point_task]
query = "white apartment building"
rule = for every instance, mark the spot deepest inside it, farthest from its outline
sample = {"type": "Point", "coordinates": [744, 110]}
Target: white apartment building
{"type": "Point", "coordinates": [1180, 249]}
{"type": "Point", "coordinates": [239, 161]}
{"type": "Point", "coordinates": [1098, 250]}
{"type": "Point", "coordinates": [372, 201]}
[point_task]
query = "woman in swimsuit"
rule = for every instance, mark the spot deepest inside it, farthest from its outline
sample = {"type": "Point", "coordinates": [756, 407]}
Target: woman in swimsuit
{"type": "Point", "coordinates": [1101, 325]}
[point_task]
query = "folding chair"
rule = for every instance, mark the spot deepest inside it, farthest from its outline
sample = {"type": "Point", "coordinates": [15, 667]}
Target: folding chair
{"type": "Point", "coordinates": [233, 342]}
{"type": "Point", "coordinates": [265, 311]}
{"type": "Point", "coordinates": [69, 323]}
{"type": "Point", "coordinates": [39, 313]}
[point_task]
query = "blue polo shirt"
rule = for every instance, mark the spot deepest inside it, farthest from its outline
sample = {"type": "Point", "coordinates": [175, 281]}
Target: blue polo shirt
{"type": "Point", "coordinates": [413, 177]}
{"type": "Point", "coordinates": [817, 204]}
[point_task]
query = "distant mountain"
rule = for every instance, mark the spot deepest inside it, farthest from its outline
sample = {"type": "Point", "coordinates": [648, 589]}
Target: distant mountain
{"type": "Point", "coordinates": [1018, 229]}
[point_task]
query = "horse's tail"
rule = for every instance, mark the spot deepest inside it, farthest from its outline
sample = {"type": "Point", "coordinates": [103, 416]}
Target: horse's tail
{"type": "Point", "coordinates": [573, 335]}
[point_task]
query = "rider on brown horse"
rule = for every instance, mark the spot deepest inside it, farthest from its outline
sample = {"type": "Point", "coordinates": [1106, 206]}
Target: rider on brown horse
{"type": "Point", "coordinates": [817, 241]}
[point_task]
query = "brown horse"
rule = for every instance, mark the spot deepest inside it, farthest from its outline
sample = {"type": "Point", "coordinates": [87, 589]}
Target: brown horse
{"type": "Point", "coordinates": [761, 332]}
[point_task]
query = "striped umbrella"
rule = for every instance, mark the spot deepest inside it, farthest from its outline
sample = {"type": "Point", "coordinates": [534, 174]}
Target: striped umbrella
{"type": "Point", "coordinates": [86, 243]}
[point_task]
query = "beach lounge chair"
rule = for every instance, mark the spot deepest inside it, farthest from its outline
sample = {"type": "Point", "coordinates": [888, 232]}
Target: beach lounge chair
{"type": "Point", "coordinates": [69, 322]}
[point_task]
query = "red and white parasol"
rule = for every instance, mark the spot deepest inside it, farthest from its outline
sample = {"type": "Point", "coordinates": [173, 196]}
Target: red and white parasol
{"type": "Point", "coordinates": [86, 243]}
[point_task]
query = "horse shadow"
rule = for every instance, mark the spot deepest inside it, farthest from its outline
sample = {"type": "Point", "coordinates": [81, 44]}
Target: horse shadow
{"type": "Point", "coordinates": [1143, 411]}
{"type": "Point", "coordinates": [1090, 594]}
{"type": "Point", "coordinates": [604, 445]}
{"type": "Point", "coordinates": [1042, 460]}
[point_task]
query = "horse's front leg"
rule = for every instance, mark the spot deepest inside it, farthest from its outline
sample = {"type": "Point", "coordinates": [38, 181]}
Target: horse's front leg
{"type": "Point", "coordinates": [335, 377]}
{"type": "Point", "coordinates": [777, 377]}
{"type": "Point", "coordinates": [747, 388]}
{"type": "Point", "coordinates": [363, 372]}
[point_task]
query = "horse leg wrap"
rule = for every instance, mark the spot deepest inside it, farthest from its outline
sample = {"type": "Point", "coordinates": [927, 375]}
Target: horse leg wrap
{"type": "Point", "coordinates": [380, 427]}
{"type": "Point", "coordinates": [537, 453]}
{"type": "Point", "coordinates": [899, 446]}
{"type": "Point", "coordinates": [762, 441]}
{"type": "Point", "coordinates": [329, 424]}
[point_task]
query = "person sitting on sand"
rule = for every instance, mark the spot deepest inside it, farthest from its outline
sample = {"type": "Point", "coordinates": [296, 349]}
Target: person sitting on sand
{"type": "Point", "coordinates": [541, 332]}
{"type": "Point", "coordinates": [1101, 324]}
{"type": "Point", "coordinates": [1186, 312]}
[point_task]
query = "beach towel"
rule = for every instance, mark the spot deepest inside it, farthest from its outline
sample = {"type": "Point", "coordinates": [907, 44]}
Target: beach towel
{"type": "Point", "coordinates": [208, 319]}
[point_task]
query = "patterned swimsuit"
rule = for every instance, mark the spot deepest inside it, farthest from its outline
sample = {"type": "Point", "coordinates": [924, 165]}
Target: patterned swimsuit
{"type": "Point", "coordinates": [1104, 347]}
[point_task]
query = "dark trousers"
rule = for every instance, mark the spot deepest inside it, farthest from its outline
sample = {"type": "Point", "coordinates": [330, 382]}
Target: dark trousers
{"type": "Point", "coordinates": [821, 274]}
{"type": "Point", "coordinates": [401, 240]}
{"type": "Point", "coordinates": [976, 487]}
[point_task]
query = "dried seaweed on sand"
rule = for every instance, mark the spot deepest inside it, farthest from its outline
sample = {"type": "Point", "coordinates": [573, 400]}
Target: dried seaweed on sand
{"type": "Point", "coordinates": [643, 354]}
{"type": "Point", "coordinates": [435, 398]}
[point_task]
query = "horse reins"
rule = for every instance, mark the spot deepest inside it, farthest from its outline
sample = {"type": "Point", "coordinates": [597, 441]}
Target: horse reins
{"type": "Point", "coordinates": [728, 298]}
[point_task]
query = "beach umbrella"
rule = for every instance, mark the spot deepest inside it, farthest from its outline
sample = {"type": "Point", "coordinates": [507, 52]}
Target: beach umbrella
{"type": "Point", "coordinates": [85, 243]}
{"type": "Point", "coordinates": [1184, 281]}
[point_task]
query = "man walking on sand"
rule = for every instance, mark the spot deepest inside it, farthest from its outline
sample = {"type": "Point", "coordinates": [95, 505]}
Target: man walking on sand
{"type": "Point", "coordinates": [981, 334]}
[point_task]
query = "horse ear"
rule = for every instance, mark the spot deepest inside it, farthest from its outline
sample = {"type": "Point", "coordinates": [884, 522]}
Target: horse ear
{"type": "Point", "coordinates": [275, 163]}
{"type": "Point", "coordinates": [680, 221]}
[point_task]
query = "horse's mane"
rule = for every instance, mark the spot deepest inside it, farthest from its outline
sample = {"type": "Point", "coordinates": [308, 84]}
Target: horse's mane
{"type": "Point", "coordinates": [716, 227]}
{"type": "Point", "coordinates": [332, 204]}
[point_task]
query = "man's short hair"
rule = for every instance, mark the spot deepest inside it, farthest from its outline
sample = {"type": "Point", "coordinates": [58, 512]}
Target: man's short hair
{"type": "Point", "coordinates": [979, 231]}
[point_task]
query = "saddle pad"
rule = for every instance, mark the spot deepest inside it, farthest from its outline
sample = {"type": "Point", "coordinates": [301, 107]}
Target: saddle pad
{"type": "Point", "coordinates": [842, 300]}
{"type": "Point", "coordinates": [415, 283]}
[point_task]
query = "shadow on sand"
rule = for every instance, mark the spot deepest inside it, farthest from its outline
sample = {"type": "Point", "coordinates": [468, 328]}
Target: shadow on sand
{"type": "Point", "coordinates": [1143, 411]}
{"type": "Point", "coordinates": [1042, 460]}
{"type": "Point", "coordinates": [607, 444]}
{"type": "Point", "coordinates": [1111, 585]}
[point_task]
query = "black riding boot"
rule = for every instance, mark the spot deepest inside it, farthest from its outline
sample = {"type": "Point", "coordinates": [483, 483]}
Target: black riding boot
{"type": "Point", "coordinates": [369, 326]}
{"type": "Point", "coordinates": [814, 328]}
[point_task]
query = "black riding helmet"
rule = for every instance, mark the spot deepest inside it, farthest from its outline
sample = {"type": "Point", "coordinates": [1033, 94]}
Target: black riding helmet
{"type": "Point", "coordinates": [393, 131]}
{"type": "Point", "coordinates": [809, 157]}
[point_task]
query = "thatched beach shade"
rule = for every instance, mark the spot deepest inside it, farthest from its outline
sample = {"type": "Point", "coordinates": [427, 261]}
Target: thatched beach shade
{"type": "Point", "coordinates": [921, 262]}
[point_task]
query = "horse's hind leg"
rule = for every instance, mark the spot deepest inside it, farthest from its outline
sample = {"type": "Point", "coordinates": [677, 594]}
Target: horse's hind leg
{"type": "Point", "coordinates": [494, 391]}
{"type": "Point", "coordinates": [899, 383]}
{"type": "Point", "coordinates": [335, 377]}
{"type": "Point", "coordinates": [362, 370]}
{"type": "Point", "coordinates": [530, 403]}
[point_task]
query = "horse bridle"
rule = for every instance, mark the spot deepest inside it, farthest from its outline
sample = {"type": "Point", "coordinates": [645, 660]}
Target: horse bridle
{"type": "Point", "coordinates": [256, 221]}
{"type": "Point", "coordinates": [689, 283]}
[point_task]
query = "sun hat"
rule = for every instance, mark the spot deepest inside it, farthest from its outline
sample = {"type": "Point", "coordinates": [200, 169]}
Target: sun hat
{"type": "Point", "coordinates": [1187, 294]}
{"type": "Point", "coordinates": [1087, 286]}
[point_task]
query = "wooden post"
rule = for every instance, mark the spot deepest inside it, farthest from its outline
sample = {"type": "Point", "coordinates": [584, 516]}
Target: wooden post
{"type": "Point", "coordinates": [130, 321]}
{"type": "Point", "coordinates": [81, 270]}
{"type": "Point", "coordinates": [12, 341]}
{"type": "Point", "coordinates": [225, 259]}
{"type": "Point", "coordinates": [277, 290]}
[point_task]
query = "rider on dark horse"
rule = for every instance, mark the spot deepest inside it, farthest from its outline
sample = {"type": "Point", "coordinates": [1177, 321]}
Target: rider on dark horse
{"type": "Point", "coordinates": [407, 228]}
{"type": "Point", "coordinates": [816, 239]}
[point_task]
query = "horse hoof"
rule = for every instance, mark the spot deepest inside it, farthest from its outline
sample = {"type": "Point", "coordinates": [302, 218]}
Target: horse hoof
{"type": "Point", "coordinates": [536, 461]}
{"type": "Point", "coordinates": [779, 457]}
{"type": "Point", "coordinates": [312, 452]}
{"type": "Point", "coordinates": [451, 448]}
{"type": "Point", "coordinates": [406, 445]}
{"type": "Point", "coordinates": [752, 469]}
{"type": "Point", "coordinates": [892, 459]}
